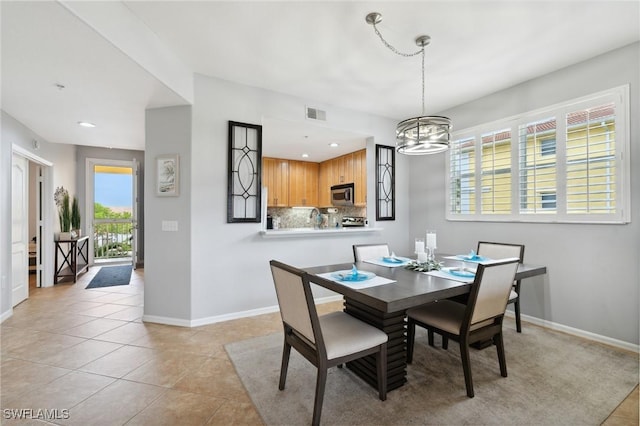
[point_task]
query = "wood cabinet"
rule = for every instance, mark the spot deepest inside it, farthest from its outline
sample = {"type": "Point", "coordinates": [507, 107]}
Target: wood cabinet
{"type": "Point", "coordinates": [342, 169]}
{"type": "Point", "coordinates": [303, 183]}
{"type": "Point", "coordinates": [275, 176]}
{"type": "Point", "coordinates": [293, 183]}
{"type": "Point", "coordinates": [325, 181]}
{"type": "Point", "coordinates": [360, 176]}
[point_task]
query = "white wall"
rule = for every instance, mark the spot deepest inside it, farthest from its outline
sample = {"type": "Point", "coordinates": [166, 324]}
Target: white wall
{"type": "Point", "coordinates": [63, 174]}
{"type": "Point", "coordinates": [593, 270]}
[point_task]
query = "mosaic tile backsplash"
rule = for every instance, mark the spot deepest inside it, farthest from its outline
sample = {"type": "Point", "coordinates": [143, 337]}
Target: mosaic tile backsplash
{"type": "Point", "coordinates": [299, 217]}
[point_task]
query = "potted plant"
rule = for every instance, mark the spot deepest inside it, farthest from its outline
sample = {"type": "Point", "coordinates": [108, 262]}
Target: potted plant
{"type": "Point", "coordinates": [61, 197]}
{"type": "Point", "coordinates": [75, 217]}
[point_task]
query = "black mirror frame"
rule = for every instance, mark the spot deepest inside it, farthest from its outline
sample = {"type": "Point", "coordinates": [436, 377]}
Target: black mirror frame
{"type": "Point", "coordinates": [385, 183]}
{"type": "Point", "coordinates": [237, 190]}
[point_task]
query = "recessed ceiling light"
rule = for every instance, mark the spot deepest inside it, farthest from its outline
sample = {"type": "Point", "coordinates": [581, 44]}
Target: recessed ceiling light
{"type": "Point", "coordinates": [333, 144]}
{"type": "Point", "coordinates": [85, 124]}
{"type": "Point", "coordinates": [305, 155]}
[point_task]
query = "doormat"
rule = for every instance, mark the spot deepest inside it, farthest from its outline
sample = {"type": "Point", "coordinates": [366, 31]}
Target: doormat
{"type": "Point", "coordinates": [109, 276]}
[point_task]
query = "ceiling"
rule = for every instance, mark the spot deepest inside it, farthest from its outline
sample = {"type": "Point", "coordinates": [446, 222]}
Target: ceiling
{"type": "Point", "coordinates": [322, 51]}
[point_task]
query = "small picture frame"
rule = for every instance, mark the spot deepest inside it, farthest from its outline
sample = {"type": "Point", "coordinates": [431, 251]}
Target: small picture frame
{"type": "Point", "coordinates": [167, 175]}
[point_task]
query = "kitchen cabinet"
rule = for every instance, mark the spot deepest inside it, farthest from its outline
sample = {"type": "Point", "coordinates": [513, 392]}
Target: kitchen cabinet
{"type": "Point", "coordinates": [303, 183]}
{"type": "Point", "coordinates": [325, 180]}
{"type": "Point", "coordinates": [275, 177]}
{"type": "Point", "coordinates": [360, 176]}
{"type": "Point", "coordinates": [342, 169]}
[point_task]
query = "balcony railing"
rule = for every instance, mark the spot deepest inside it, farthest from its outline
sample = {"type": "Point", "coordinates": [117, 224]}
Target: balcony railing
{"type": "Point", "coordinates": [112, 239]}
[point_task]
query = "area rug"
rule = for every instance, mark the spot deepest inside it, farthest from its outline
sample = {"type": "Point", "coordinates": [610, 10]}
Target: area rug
{"type": "Point", "coordinates": [109, 276]}
{"type": "Point", "coordinates": [554, 379]}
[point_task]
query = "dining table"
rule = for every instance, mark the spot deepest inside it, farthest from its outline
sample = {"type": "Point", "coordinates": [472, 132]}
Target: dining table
{"type": "Point", "coordinates": [384, 306]}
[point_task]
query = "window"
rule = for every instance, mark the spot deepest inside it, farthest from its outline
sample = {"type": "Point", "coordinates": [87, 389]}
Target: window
{"type": "Point", "coordinates": [565, 163]}
{"type": "Point", "coordinates": [548, 200]}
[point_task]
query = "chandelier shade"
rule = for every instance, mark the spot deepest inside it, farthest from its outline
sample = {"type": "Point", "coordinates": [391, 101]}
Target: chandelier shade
{"type": "Point", "coordinates": [423, 135]}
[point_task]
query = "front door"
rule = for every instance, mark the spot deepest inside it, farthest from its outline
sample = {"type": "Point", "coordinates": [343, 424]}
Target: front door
{"type": "Point", "coordinates": [19, 229]}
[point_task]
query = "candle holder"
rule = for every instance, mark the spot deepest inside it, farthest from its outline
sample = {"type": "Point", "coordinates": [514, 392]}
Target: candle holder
{"type": "Point", "coordinates": [431, 245]}
{"type": "Point", "coordinates": [431, 253]}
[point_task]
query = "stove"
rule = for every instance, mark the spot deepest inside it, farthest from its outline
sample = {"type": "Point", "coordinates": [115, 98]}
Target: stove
{"type": "Point", "coordinates": [353, 221]}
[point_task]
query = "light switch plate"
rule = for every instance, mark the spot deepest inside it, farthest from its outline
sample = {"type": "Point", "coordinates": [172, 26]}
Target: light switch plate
{"type": "Point", "coordinates": [170, 225]}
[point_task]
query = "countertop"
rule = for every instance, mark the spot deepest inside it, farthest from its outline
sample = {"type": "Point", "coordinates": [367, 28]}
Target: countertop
{"type": "Point", "coordinates": [310, 232]}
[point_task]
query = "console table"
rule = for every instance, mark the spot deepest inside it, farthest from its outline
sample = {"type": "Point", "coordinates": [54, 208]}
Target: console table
{"type": "Point", "coordinates": [72, 258]}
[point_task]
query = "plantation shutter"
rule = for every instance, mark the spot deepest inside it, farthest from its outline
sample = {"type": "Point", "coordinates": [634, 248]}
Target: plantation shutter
{"type": "Point", "coordinates": [591, 160]}
{"type": "Point", "coordinates": [537, 164]}
{"type": "Point", "coordinates": [462, 176]}
{"type": "Point", "coordinates": [496, 172]}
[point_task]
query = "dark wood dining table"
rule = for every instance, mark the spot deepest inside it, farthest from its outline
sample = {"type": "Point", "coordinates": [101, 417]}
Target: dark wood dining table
{"type": "Point", "coordinates": [385, 307]}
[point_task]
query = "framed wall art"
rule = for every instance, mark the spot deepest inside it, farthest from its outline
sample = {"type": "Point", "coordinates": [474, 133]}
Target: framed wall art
{"type": "Point", "coordinates": [167, 175]}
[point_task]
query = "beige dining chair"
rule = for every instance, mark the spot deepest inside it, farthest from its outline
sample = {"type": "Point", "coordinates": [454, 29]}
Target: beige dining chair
{"type": "Point", "coordinates": [501, 251]}
{"type": "Point", "coordinates": [369, 251]}
{"type": "Point", "coordinates": [480, 319]}
{"type": "Point", "coordinates": [326, 341]}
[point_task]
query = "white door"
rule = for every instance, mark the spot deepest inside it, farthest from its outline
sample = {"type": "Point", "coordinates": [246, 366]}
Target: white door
{"type": "Point", "coordinates": [134, 214]}
{"type": "Point", "coordinates": [19, 229]}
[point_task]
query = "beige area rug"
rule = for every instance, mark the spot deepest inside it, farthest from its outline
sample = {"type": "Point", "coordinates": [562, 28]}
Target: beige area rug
{"type": "Point", "coordinates": [554, 379]}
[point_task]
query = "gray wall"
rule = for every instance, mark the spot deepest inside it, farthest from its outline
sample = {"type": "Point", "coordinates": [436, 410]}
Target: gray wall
{"type": "Point", "coordinates": [168, 258]}
{"type": "Point", "coordinates": [593, 270]}
{"type": "Point", "coordinates": [225, 270]}
{"type": "Point", "coordinates": [84, 152]}
{"type": "Point", "coordinates": [63, 173]}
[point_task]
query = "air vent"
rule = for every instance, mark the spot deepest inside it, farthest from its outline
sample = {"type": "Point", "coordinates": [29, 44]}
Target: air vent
{"type": "Point", "coordinates": [316, 114]}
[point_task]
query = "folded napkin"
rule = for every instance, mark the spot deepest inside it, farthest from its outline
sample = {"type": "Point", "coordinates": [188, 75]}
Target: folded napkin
{"type": "Point", "coordinates": [372, 282]}
{"type": "Point", "coordinates": [389, 261]}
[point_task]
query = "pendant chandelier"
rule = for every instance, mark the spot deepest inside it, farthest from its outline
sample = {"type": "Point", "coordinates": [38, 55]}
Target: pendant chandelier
{"type": "Point", "coordinates": [427, 134]}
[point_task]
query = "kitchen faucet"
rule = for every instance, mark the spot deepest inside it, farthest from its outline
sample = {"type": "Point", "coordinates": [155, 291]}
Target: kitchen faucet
{"type": "Point", "coordinates": [318, 221]}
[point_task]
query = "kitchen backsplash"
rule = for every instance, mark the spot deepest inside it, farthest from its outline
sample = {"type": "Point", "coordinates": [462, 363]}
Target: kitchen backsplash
{"type": "Point", "coordinates": [299, 217]}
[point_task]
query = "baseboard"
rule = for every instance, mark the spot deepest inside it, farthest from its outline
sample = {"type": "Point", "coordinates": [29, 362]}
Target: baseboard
{"type": "Point", "coordinates": [270, 309]}
{"type": "Point", "coordinates": [225, 317]}
{"type": "Point", "coordinates": [6, 315]}
{"type": "Point", "coordinates": [621, 344]}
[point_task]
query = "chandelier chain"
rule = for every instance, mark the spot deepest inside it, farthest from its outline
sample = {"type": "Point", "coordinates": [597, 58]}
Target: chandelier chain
{"type": "Point", "coordinates": [406, 55]}
{"type": "Point", "coordinates": [393, 49]}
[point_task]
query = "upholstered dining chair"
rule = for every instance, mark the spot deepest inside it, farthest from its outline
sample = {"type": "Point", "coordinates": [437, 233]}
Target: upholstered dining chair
{"type": "Point", "coordinates": [369, 251]}
{"type": "Point", "coordinates": [480, 319]}
{"type": "Point", "coordinates": [326, 341]}
{"type": "Point", "coordinates": [502, 251]}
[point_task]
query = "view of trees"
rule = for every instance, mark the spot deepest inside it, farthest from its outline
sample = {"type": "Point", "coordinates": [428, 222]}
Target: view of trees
{"type": "Point", "coordinates": [111, 239]}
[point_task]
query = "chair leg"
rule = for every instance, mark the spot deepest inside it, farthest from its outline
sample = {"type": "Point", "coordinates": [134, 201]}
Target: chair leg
{"type": "Point", "coordinates": [497, 340]}
{"type": "Point", "coordinates": [286, 351]}
{"type": "Point", "coordinates": [411, 335]}
{"type": "Point", "coordinates": [517, 309]}
{"type": "Point", "coordinates": [430, 337]}
{"type": "Point", "coordinates": [381, 358]}
{"type": "Point", "coordinates": [320, 385]}
{"type": "Point", "coordinates": [445, 342]}
{"type": "Point", "coordinates": [466, 367]}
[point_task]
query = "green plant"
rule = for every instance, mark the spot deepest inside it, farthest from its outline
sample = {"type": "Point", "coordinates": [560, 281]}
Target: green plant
{"type": "Point", "coordinates": [75, 214]}
{"type": "Point", "coordinates": [430, 265]}
{"type": "Point", "coordinates": [65, 214]}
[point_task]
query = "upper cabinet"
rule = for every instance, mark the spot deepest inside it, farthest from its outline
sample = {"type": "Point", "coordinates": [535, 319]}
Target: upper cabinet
{"type": "Point", "coordinates": [275, 177]}
{"type": "Point", "coordinates": [360, 176]}
{"type": "Point", "coordinates": [303, 183]}
{"type": "Point", "coordinates": [292, 183]}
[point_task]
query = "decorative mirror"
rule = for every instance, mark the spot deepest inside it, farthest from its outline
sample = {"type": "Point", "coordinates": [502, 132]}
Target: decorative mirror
{"type": "Point", "coordinates": [385, 183]}
{"type": "Point", "coordinates": [245, 172]}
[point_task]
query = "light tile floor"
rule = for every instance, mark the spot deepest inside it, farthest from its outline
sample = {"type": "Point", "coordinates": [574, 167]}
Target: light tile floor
{"type": "Point", "coordinates": [88, 355]}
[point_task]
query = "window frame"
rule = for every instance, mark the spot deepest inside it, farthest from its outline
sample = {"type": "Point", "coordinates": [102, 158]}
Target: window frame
{"type": "Point", "coordinates": [619, 96]}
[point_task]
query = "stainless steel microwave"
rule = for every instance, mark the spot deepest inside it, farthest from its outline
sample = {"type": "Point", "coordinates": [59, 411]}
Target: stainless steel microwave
{"type": "Point", "coordinates": [342, 195]}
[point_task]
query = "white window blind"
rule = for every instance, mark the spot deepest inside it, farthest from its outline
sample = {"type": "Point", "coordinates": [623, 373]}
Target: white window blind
{"type": "Point", "coordinates": [496, 172]}
{"type": "Point", "coordinates": [567, 163]}
{"type": "Point", "coordinates": [537, 166]}
{"type": "Point", "coordinates": [462, 176]}
{"type": "Point", "coordinates": [591, 160]}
